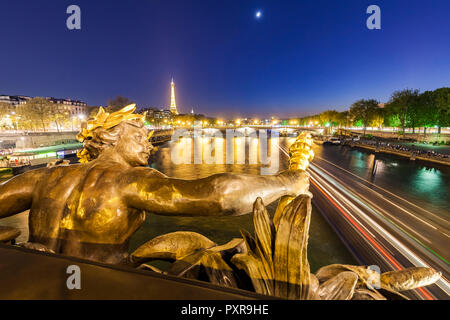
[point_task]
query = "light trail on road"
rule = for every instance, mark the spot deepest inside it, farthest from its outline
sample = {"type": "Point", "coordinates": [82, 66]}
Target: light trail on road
{"type": "Point", "coordinates": [390, 193]}
{"type": "Point", "coordinates": [372, 222]}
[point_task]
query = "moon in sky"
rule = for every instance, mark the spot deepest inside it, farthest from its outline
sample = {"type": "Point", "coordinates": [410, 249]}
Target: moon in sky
{"type": "Point", "coordinates": [258, 14]}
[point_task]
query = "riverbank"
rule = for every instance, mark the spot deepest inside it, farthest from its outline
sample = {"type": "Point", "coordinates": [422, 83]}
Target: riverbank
{"type": "Point", "coordinates": [442, 138]}
{"type": "Point", "coordinates": [411, 155]}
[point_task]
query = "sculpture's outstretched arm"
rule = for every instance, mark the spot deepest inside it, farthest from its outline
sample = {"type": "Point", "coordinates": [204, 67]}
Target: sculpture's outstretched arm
{"type": "Point", "coordinates": [16, 193]}
{"type": "Point", "coordinates": [220, 194]}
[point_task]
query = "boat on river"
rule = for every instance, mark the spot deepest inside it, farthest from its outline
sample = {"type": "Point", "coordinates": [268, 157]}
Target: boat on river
{"type": "Point", "coordinates": [25, 160]}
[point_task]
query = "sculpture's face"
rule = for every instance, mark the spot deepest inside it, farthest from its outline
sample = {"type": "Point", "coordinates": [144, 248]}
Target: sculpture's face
{"type": "Point", "coordinates": [133, 145]}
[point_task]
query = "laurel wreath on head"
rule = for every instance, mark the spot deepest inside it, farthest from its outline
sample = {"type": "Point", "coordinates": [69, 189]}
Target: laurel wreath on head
{"type": "Point", "coordinates": [106, 121]}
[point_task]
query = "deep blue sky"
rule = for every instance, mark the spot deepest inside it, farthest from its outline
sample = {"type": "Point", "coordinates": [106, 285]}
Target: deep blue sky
{"type": "Point", "coordinates": [301, 57]}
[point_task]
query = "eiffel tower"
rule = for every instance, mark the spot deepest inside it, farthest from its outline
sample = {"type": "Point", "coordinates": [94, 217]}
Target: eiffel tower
{"type": "Point", "coordinates": [173, 104]}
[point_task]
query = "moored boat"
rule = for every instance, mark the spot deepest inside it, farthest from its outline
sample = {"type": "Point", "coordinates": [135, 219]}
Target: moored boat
{"type": "Point", "coordinates": [25, 160]}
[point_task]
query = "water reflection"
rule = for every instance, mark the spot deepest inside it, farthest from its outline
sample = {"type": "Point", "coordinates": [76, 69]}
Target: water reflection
{"type": "Point", "coordinates": [428, 180]}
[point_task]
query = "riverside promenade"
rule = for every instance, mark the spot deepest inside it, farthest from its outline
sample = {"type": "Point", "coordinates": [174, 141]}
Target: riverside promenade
{"type": "Point", "coordinates": [412, 154]}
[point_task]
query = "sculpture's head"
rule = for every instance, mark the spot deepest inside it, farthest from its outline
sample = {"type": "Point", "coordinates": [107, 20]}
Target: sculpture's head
{"type": "Point", "coordinates": [123, 132]}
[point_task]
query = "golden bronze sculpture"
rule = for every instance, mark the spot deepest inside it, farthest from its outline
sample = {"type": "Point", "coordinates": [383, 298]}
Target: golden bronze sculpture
{"type": "Point", "coordinates": [91, 209]}
{"type": "Point", "coordinates": [275, 261]}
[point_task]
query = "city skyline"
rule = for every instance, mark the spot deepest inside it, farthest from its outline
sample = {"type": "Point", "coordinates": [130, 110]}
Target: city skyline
{"type": "Point", "coordinates": [293, 60]}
